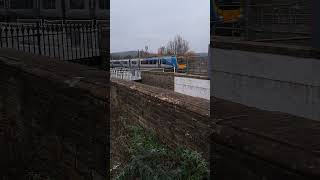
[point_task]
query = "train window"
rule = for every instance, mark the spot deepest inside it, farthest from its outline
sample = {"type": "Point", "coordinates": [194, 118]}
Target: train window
{"type": "Point", "coordinates": [21, 4]}
{"type": "Point", "coordinates": [76, 4]}
{"type": "Point", "coordinates": [103, 4]}
{"type": "Point", "coordinates": [163, 61]}
{"type": "Point", "coordinates": [49, 4]}
{"type": "Point", "coordinates": [134, 62]}
{"type": "Point", "coordinates": [144, 62]}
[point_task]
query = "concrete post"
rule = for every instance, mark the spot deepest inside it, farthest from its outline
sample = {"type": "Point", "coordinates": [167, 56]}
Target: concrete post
{"type": "Point", "coordinates": [316, 24]}
{"type": "Point", "coordinates": [105, 46]}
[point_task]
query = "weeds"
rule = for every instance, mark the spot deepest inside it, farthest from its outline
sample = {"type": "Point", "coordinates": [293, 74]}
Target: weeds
{"type": "Point", "coordinates": [152, 160]}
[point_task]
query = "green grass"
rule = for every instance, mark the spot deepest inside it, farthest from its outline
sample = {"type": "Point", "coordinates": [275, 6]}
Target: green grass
{"type": "Point", "coordinates": [153, 160]}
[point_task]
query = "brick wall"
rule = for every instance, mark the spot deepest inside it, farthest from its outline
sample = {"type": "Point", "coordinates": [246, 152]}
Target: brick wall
{"type": "Point", "coordinates": [53, 118]}
{"type": "Point", "coordinates": [164, 79]}
{"type": "Point", "coordinates": [158, 79]}
{"type": "Point", "coordinates": [177, 119]}
{"type": "Point", "coordinates": [248, 143]}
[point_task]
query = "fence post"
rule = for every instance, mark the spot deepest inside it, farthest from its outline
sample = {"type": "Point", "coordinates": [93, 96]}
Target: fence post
{"type": "Point", "coordinates": [104, 46]}
{"type": "Point", "coordinates": [39, 38]}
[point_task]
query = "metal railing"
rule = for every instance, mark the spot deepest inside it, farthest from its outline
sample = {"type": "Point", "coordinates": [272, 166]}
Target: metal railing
{"type": "Point", "coordinates": [126, 74]}
{"type": "Point", "coordinates": [62, 41]}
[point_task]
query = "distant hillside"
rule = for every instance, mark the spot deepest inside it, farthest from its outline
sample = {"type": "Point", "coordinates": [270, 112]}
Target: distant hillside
{"type": "Point", "coordinates": [202, 54]}
{"type": "Point", "coordinates": [125, 53]}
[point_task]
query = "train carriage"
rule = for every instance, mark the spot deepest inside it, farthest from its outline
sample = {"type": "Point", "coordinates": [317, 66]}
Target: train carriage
{"type": "Point", "coordinates": [168, 62]}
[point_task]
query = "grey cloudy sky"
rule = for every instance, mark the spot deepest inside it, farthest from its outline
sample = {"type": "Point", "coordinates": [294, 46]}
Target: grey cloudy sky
{"type": "Point", "coordinates": [136, 23]}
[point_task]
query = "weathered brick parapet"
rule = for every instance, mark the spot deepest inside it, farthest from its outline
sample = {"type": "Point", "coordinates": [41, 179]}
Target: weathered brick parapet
{"type": "Point", "coordinates": [248, 143]}
{"type": "Point", "coordinates": [266, 47]}
{"type": "Point", "coordinates": [177, 119]}
{"type": "Point", "coordinates": [54, 118]}
{"type": "Point", "coordinates": [165, 79]}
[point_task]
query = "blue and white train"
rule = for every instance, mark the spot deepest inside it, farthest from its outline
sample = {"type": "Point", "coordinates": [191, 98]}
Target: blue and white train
{"type": "Point", "coordinates": [168, 62]}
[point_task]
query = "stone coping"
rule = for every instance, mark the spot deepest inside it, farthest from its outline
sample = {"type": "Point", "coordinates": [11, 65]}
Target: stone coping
{"type": "Point", "coordinates": [264, 47]}
{"type": "Point", "coordinates": [197, 105]}
{"type": "Point", "coordinates": [73, 75]}
{"type": "Point", "coordinates": [178, 75]}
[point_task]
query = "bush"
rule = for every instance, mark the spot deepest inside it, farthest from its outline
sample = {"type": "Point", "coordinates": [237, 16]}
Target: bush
{"type": "Point", "coordinates": [152, 160]}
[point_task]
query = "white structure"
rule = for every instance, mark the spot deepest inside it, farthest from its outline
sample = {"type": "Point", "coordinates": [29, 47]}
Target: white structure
{"type": "Point", "coordinates": [125, 74]}
{"type": "Point", "coordinates": [192, 87]}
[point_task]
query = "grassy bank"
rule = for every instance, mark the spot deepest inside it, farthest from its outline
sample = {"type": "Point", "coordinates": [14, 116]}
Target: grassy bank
{"type": "Point", "coordinates": [150, 159]}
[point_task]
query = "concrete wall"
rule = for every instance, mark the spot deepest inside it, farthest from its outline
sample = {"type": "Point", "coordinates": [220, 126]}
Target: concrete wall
{"type": "Point", "coordinates": [53, 118]}
{"type": "Point", "coordinates": [267, 81]}
{"type": "Point", "coordinates": [192, 87]}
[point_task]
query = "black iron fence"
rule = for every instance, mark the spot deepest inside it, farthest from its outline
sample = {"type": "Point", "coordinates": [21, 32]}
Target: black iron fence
{"type": "Point", "coordinates": [62, 41]}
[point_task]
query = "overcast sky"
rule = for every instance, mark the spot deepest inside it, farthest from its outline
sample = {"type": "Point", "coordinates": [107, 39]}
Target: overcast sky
{"type": "Point", "coordinates": [136, 23]}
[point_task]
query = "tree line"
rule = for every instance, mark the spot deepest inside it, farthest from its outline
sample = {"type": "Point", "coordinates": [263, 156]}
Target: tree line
{"type": "Point", "coordinates": [177, 46]}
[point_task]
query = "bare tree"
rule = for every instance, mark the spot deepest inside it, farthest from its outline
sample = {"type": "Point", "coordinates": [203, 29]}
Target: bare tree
{"type": "Point", "coordinates": [177, 46]}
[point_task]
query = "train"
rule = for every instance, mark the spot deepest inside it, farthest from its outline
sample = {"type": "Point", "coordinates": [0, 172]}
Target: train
{"type": "Point", "coordinates": [166, 62]}
{"type": "Point", "coordinates": [54, 9]}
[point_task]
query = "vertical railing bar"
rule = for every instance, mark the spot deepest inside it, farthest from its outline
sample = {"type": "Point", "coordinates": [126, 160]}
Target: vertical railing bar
{"type": "Point", "coordinates": [28, 32]}
{"type": "Point", "coordinates": [39, 39]}
{"type": "Point", "coordinates": [33, 37]}
{"type": "Point", "coordinates": [99, 40]}
{"type": "Point", "coordinates": [62, 33]}
{"type": "Point", "coordinates": [95, 39]}
{"type": "Point", "coordinates": [6, 34]}
{"type": "Point", "coordinates": [86, 43]}
{"type": "Point", "coordinates": [44, 40]}
{"type": "Point", "coordinates": [71, 38]}
{"type": "Point", "coordinates": [22, 30]}
{"type": "Point", "coordinates": [84, 39]}
{"type": "Point", "coordinates": [18, 36]}
{"type": "Point", "coordinates": [91, 35]}
{"type": "Point", "coordinates": [67, 31]}
{"type": "Point", "coordinates": [57, 29]}
{"type": "Point", "coordinates": [48, 35]}
{"type": "Point", "coordinates": [97, 36]}
{"type": "Point", "coordinates": [81, 40]}
{"type": "Point", "coordinates": [53, 41]}
{"type": "Point", "coordinates": [76, 28]}
{"type": "Point", "coordinates": [1, 36]}
{"type": "Point", "coordinates": [12, 36]}
{"type": "Point", "coordinates": [88, 47]}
